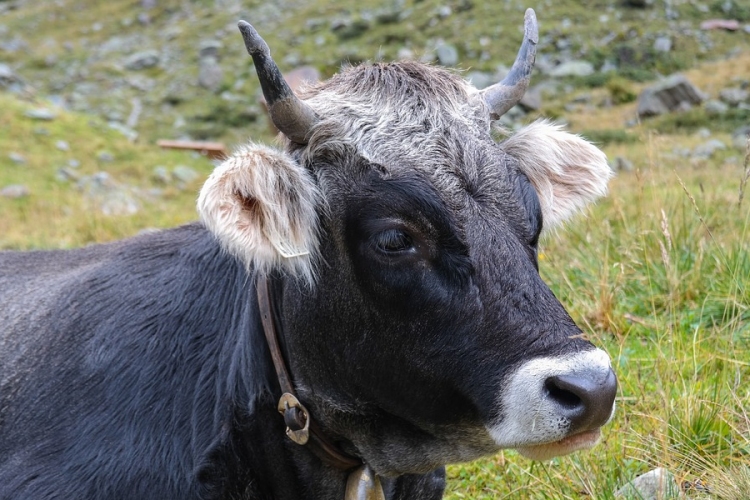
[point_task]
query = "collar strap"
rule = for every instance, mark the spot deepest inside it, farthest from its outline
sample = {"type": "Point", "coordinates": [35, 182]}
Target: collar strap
{"type": "Point", "coordinates": [300, 427]}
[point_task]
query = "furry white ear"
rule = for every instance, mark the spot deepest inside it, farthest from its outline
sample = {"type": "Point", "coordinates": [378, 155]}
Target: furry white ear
{"type": "Point", "coordinates": [262, 207]}
{"type": "Point", "coordinates": [567, 171]}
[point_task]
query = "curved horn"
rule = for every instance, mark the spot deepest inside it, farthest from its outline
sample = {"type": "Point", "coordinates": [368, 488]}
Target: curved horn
{"type": "Point", "coordinates": [290, 114]}
{"type": "Point", "coordinates": [506, 94]}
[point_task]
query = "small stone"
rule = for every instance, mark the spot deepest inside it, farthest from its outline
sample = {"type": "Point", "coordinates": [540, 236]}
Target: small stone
{"type": "Point", "coordinates": [7, 76]}
{"type": "Point", "coordinates": [532, 99]}
{"type": "Point", "coordinates": [42, 114]}
{"type": "Point", "coordinates": [663, 44]}
{"type": "Point", "coordinates": [621, 164]}
{"type": "Point", "coordinates": [105, 156]}
{"type": "Point", "coordinates": [674, 93]}
{"type": "Point", "coordinates": [14, 191]}
{"type": "Point", "coordinates": [161, 175]}
{"type": "Point", "coordinates": [703, 133]}
{"type": "Point", "coordinates": [480, 79]}
{"type": "Point", "coordinates": [734, 96]}
{"type": "Point", "coordinates": [573, 68]}
{"type": "Point", "coordinates": [349, 28]}
{"type": "Point", "coordinates": [209, 48]}
{"type": "Point", "coordinates": [142, 60]}
{"type": "Point", "coordinates": [65, 175]}
{"type": "Point", "coordinates": [184, 175]}
{"type": "Point", "coordinates": [73, 163]}
{"type": "Point", "coordinates": [715, 108]}
{"type": "Point", "coordinates": [707, 149]}
{"type": "Point", "coordinates": [210, 74]}
{"type": "Point", "coordinates": [62, 145]}
{"type": "Point", "coordinates": [653, 485]}
{"type": "Point", "coordinates": [740, 137]}
{"type": "Point", "coordinates": [447, 54]}
{"type": "Point", "coordinates": [17, 158]}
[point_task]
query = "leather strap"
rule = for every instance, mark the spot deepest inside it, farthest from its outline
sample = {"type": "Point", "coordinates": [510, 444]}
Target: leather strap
{"type": "Point", "coordinates": [301, 428]}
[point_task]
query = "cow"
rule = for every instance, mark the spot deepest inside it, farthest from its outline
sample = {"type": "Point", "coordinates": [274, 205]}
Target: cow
{"type": "Point", "coordinates": [358, 306]}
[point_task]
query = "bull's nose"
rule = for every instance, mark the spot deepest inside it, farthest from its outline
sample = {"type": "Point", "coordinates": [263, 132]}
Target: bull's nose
{"type": "Point", "coordinates": [585, 399]}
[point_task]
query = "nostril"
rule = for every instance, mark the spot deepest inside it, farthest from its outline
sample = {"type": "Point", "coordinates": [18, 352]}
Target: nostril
{"type": "Point", "coordinates": [559, 390]}
{"type": "Point", "coordinates": [586, 400]}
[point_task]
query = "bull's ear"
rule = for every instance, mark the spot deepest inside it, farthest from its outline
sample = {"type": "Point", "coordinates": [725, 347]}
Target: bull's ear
{"type": "Point", "coordinates": [262, 207]}
{"type": "Point", "coordinates": [567, 171]}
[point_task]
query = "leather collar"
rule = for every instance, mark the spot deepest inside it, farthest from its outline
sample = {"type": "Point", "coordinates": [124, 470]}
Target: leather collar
{"type": "Point", "coordinates": [300, 427]}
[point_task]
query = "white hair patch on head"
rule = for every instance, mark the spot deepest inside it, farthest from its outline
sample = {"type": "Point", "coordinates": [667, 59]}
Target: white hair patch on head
{"type": "Point", "coordinates": [567, 171]}
{"type": "Point", "coordinates": [262, 207]}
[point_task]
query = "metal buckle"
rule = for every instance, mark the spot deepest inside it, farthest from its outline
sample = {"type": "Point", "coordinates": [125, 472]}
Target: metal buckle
{"type": "Point", "coordinates": [296, 418]}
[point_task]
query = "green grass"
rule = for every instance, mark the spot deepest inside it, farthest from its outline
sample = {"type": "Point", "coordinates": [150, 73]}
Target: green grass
{"type": "Point", "coordinates": [56, 213]}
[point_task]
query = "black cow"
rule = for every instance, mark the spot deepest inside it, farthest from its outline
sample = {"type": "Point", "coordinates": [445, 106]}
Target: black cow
{"type": "Point", "coordinates": [398, 244]}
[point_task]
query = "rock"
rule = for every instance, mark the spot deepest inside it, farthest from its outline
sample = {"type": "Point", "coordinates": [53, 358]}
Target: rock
{"type": "Point", "coordinates": [7, 76]}
{"type": "Point", "coordinates": [161, 175]}
{"type": "Point", "coordinates": [184, 175]}
{"type": "Point", "coordinates": [14, 191]}
{"type": "Point", "coordinates": [720, 24]}
{"type": "Point", "coordinates": [108, 196]}
{"type": "Point", "coordinates": [480, 79]}
{"type": "Point", "coordinates": [621, 164]}
{"type": "Point", "coordinates": [210, 74]}
{"type": "Point", "coordinates": [42, 114]}
{"type": "Point", "coordinates": [105, 156]}
{"type": "Point", "coordinates": [657, 484]}
{"type": "Point", "coordinates": [734, 96]}
{"type": "Point", "coordinates": [573, 68]}
{"type": "Point", "coordinates": [639, 4]}
{"type": "Point", "coordinates": [532, 99]}
{"type": "Point", "coordinates": [62, 145]}
{"type": "Point", "coordinates": [663, 44]}
{"type": "Point", "coordinates": [707, 149]}
{"type": "Point", "coordinates": [65, 175]}
{"type": "Point", "coordinates": [673, 93]}
{"type": "Point", "coordinates": [209, 48]}
{"type": "Point", "coordinates": [447, 54]}
{"type": "Point", "coordinates": [740, 137]}
{"type": "Point", "coordinates": [349, 28]}
{"type": "Point", "coordinates": [17, 158]}
{"type": "Point", "coordinates": [142, 60]}
{"type": "Point", "coordinates": [128, 132]}
{"type": "Point", "coordinates": [715, 108]}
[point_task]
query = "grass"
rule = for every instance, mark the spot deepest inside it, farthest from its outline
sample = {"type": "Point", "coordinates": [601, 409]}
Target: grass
{"type": "Point", "coordinates": [56, 213]}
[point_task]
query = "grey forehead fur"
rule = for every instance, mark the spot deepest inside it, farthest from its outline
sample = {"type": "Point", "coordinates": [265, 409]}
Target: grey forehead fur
{"type": "Point", "coordinates": [404, 115]}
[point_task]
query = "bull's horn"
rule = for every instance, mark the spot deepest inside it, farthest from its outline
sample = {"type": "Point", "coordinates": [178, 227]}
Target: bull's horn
{"type": "Point", "coordinates": [506, 94]}
{"type": "Point", "coordinates": [291, 115]}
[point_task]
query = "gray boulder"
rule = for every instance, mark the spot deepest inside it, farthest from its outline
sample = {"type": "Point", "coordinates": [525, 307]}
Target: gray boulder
{"type": "Point", "coordinates": [14, 191]}
{"type": "Point", "coordinates": [447, 54]}
{"type": "Point", "coordinates": [707, 149]}
{"type": "Point", "coordinates": [671, 94]}
{"type": "Point", "coordinates": [657, 484]}
{"type": "Point", "coordinates": [573, 68]}
{"type": "Point", "coordinates": [734, 96]}
{"type": "Point", "coordinates": [210, 74]}
{"type": "Point", "coordinates": [142, 60]}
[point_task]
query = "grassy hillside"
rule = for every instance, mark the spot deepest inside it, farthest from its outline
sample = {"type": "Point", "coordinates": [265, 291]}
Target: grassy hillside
{"type": "Point", "coordinates": [658, 273]}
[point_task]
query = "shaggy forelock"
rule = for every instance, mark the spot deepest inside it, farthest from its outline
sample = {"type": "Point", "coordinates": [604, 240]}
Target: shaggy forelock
{"type": "Point", "coordinates": [403, 113]}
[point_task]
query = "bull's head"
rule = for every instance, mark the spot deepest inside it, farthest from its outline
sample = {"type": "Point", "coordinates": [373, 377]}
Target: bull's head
{"type": "Point", "coordinates": [402, 241]}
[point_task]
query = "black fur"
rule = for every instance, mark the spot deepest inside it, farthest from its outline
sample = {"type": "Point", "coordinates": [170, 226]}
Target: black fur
{"type": "Point", "coordinates": [144, 375]}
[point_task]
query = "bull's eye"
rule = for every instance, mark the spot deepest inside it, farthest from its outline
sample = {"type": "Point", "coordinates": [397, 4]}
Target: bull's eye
{"type": "Point", "coordinates": [393, 241]}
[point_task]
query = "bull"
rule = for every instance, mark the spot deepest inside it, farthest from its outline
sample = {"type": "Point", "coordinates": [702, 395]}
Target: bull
{"type": "Point", "coordinates": [356, 308]}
